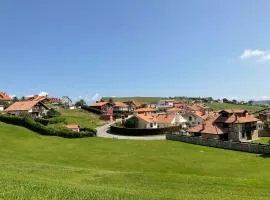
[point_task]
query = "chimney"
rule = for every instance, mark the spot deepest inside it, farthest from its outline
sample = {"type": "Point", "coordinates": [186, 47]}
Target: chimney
{"type": "Point", "coordinates": [203, 125]}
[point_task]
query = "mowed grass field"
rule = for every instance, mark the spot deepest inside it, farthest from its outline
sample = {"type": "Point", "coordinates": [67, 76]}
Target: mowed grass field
{"type": "Point", "coordinates": [81, 117]}
{"type": "Point", "coordinates": [221, 106]}
{"type": "Point", "coordinates": [39, 167]}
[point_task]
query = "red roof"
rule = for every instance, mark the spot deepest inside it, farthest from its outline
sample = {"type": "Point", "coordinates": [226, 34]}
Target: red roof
{"type": "Point", "coordinates": [120, 104]}
{"type": "Point", "coordinates": [209, 127]}
{"type": "Point", "coordinates": [145, 110]}
{"type": "Point", "coordinates": [99, 104]}
{"type": "Point", "coordinates": [161, 119]}
{"type": "Point", "coordinates": [5, 97]}
{"type": "Point", "coordinates": [72, 126]}
{"type": "Point", "coordinates": [22, 106]}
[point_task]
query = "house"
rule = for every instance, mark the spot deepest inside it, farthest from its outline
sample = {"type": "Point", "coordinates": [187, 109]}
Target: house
{"type": "Point", "coordinates": [2, 107]}
{"type": "Point", "coordinates": [100, 105]}
{"type": "Point", "coordinates": [73, 127]}
{"type": "Point", "coordinates": [5, 97]}
{"type": "Point", "coordinates": [235, 125]}
{"type": "Point", "coordinates": [120, 107]}
{"type": "Point", "coordinates": [159, 121]}
{"type": "Point", "coordinates": [66, 101]}
{"type": "Point", "coordinates": [133, 105]}
{"type": "Point", "coordinates": [34, 108]}
{"type": "Point", "coordinates": [165, 104]}
{"type": "Point", "coordinates": [145, 110]}
{"type": "Point", "coordinates": [197, 117]}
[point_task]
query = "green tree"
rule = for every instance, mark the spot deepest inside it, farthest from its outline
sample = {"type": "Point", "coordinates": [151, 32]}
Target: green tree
{"type": "Point", "coordinates": [81, 102]}
{"type": "Point", "coordinates": [110, 100]}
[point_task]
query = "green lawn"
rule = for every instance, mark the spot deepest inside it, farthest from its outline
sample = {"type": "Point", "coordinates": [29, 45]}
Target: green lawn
{"type": "Point", "coordinates": [39, 167]}
{"type": "Point", "coordinates": [81, 117]}
{"type": "Point", "coordinates": [263, 140]}
{"type": "Point", "coordinates": [221, 106]}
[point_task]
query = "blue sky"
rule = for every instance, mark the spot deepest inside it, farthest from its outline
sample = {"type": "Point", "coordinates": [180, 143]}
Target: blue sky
{"type": "Point", "coordinates": [136, 48]}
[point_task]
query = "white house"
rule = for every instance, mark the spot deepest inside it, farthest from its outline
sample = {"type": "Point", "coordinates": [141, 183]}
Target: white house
{"type": "Point", "coordinates": [164, 104]}
{"type": "Point", "coordinates": [160, 120]}
{"type": "Point", "coordinates": [120, 107]}
{"type": "Point", "coordinates": [1, 108]}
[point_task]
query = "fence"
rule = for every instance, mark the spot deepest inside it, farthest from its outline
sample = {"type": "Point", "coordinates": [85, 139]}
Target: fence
{"type": "Point", "coordinates": [237, 146]}
{"type": "Point", "coordinates": [141, 132]}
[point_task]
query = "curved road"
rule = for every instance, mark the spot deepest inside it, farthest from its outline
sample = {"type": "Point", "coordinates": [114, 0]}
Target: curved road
{"type": "Point", "coordinates": [103, 131]}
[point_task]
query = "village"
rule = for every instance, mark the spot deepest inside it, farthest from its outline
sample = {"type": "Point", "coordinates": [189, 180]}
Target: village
{"type": "Point", "coordinates": [194, 119]}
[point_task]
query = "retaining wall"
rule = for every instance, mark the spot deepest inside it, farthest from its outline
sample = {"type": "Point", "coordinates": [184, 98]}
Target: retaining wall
{"type": "Point", "coordinates": [237, 146]}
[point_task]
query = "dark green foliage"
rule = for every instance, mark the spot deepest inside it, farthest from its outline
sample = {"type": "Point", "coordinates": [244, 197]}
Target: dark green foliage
{"type": "Point", "coordinates": [52, 113]}
{"type": "Point", "coordinates": [31, 124]}
{"type": "Point", "coordinates": [132, 122]}
{"type": "Point", "coordinates": [140, 132]}
{"type": "Point", "coordinates": [90, 109]}
{"type": "Point", "coordinates": [80, 103]}
{"type": "Point", "coordinates": [4, 103]}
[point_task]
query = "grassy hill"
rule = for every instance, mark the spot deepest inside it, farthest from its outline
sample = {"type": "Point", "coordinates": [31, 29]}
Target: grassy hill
{"type": "Point", "coordinates": [139, 99]}
{"type": "Point", "coordinates": [221, 106]}
{"type": "Point", "coordinates": [39, 167]}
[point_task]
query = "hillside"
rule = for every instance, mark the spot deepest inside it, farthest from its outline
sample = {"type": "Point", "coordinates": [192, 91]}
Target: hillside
{"type": "Point", "coordinates": [147, 100]}
{"type": "Point", "coordinates": [221, 106]}
{"type": "Point", "coordinates": [39, 167]}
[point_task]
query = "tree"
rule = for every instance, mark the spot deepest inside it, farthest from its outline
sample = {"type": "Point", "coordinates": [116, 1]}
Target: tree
{"type": "Point", "coordinates": [250, 102]}
{"type": "Point", "coordinates": [234, 101]}
{"type": "Point", "coordinates": [22, 98]}
{"type": "Point", "coordinates": [15, 99]}
{"type": "Point", "coordinates": [80, 103]}
{"type": "Point", "coordinates": [110, 100]}
{"type": "Point", "coordinates": [225, 100]}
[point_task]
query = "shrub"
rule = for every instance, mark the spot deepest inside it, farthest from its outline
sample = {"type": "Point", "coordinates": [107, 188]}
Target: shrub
{"type": "Point", "coordinates": [31, 124]}
{"type": "Point", "coordinates": [52, 113]}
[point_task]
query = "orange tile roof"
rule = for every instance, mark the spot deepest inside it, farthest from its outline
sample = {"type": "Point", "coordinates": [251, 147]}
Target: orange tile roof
{"type": "Point", "coordinates": [72, 126]}
{"type": "Point", "coordinates": [99, 104]}
{"type": "Point", "coordinates": [238, 119]}
{"type": "Point", "coordinates": [209, 127]}
{"type": "Point", "coordinates": [36, 98]}
{"type": "Point", "coordinates": [233, 111]}
{"type": "Point", "coordinates": [21, 106]}
{"type": "Point", "coordinates": [145, 110]}
{"type": "Point", "coordinates": [5, 97]}
{"type": "Point", "coordinates": [174, 109]}
{"type": "Point", "coordinates": [161, 119]}
{"type": "Point", "coordinates": [120, 104]}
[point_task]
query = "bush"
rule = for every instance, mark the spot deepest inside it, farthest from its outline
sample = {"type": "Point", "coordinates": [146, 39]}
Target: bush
{"type": "Point", "coordinates": [31, 124]}
{"type": "Point", "coordinates": [52, 113]}
{"type": "Point", "coordinates": [141, 132]}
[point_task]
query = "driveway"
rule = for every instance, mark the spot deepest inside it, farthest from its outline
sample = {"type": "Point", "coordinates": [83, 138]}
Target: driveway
{"type": "Point", "coordinates": [103, 131]}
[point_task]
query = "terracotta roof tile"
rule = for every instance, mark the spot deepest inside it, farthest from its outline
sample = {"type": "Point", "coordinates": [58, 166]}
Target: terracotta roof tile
{"type": "Point", "coordinates": [120, 104]}
{"type": "Point", "coordinates": [5, 97]}
{"type": "Point", "coordinates": [145, 110]}
{"type": "Point", "coordinates": [21, 106]}
{"type": "Point", "coordinates": [72, 126]}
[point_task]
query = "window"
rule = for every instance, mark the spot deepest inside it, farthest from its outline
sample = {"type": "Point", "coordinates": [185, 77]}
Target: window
{"type": "Point", "coordinates": [190, 118]}
{"type": "Point", "coordinates": [225, 125]}
{"type": "Point", "coordinates": [243, 135]}
{"type": "Point", "coordinates": [151, 125]}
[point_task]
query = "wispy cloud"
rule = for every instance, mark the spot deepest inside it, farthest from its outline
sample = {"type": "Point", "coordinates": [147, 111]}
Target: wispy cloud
{"type": "Point", "coordinates": [43, 93]}
{"type": "Point", "coordinates": [259, 55]}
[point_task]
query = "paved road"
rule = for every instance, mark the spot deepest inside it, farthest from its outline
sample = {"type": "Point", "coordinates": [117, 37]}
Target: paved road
{"type": "Point", "coordinates": [103, 131]}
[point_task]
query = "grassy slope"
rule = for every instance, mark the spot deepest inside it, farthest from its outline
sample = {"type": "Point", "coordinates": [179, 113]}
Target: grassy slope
{"type": "Point", "coordinates": [81, 117]}
{"type": "Point", "coordinates": [38, 167]}
{"type": "Point", "coordinates": [263, 140]}
{"type": "Point", "coordinates": [221, 106]}
{"type": "Point", "coordinates": [139, 99]}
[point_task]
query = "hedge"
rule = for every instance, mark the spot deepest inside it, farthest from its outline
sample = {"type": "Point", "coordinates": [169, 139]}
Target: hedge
{"type": "Point", "coordinates": [143, 132]}
{"type": "Point", "coordinates": [31, 124]}
{"type": "Point", "coordinates": [90, 109]}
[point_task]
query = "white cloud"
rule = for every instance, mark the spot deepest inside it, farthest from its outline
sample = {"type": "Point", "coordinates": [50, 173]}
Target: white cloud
{"type": "Point", "coordinates": [259, 55]}
{"type": "Point", "coordinates": [96, 97]}
{"type": "Point", "coordinates": [43, 94]}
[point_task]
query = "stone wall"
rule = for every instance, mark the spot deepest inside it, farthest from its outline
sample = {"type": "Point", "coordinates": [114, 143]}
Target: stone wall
{"type": "Point", "coordinates": [237, 146]}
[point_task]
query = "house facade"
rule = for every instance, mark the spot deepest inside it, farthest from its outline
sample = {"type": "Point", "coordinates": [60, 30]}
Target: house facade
{"type": "Point", "coordinates": [120, 107]}
{"type": "Point", "coordinates": [73, 127]}
{"type": "Point", "coordinates": [159, 121]}
{"type": "Point", "coordinates": [235, 125]}
{"type": "Point", "coordinates": [66, 101]}
{"type": "Point", "coordinates": [34, 108]}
